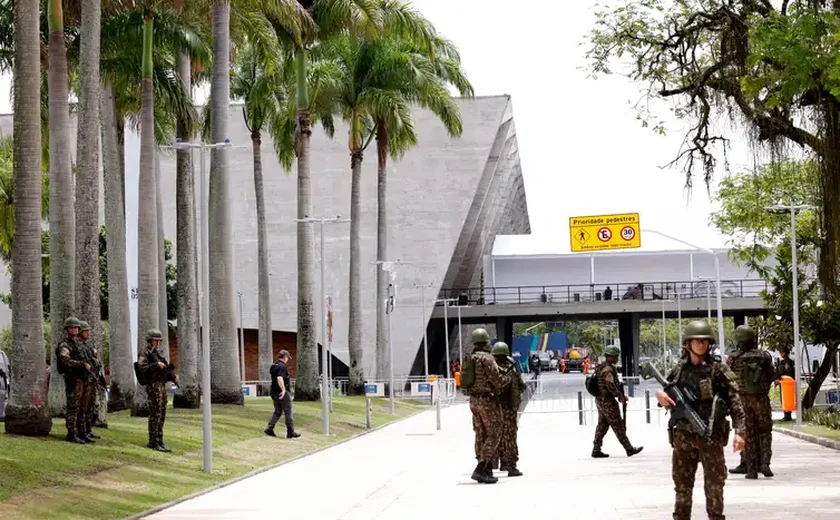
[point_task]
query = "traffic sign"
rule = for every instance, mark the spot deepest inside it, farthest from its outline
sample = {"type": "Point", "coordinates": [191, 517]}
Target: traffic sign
{"type": "Point", "coordinates": [605, 232]}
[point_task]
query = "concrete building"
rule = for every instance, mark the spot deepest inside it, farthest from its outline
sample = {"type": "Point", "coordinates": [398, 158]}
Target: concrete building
{"type": "Point", "coordinates": [447, 200]}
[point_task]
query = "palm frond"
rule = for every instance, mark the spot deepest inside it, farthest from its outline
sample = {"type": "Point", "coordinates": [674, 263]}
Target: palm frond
{"type": "Point", "coordinates": [361, 18]}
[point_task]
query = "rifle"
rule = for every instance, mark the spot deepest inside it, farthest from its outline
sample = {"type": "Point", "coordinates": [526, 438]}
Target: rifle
{"type": "Point", "coordinates": [682, 398]}
{"type": "Point", "coordinates": [623, 404]}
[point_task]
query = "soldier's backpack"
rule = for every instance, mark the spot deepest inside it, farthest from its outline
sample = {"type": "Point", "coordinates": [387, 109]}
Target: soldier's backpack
{"type": "Point", "coordinates": [752, 378]}
{"type": "Point", "coordinates": [141, 377]}
{"type": "Point", "coordinates": [591, 384]}
{"type": "Point", "coordinates": [468, 373]}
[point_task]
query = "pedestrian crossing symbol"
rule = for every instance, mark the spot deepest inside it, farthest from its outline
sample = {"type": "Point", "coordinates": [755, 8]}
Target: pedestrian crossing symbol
{"type": "Point", "coordinates": [582, 236]}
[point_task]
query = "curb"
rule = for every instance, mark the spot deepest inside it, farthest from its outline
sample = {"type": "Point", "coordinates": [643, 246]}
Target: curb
{"type": "Point", "coordinates": [807, 437]}
{"type": "Point", "coordinates": [257, 471]}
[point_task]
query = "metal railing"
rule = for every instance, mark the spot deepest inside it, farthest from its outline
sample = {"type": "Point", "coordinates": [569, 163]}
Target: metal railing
{"type": "Point", "coordinates": [689, 290]}
{"type": "Point", "coordinates": [402, 387]}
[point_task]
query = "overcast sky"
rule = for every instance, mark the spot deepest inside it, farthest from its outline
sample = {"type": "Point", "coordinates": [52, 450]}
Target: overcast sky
{"type": "Point", "coordinates": [582, 150]}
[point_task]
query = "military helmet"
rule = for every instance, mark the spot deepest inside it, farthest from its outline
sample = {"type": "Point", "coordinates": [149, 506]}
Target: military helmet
{"type": "Point", "coordinates": [699, 329]}
{"type": "Point", "coordinates": [500, 349]}
{"type": "Point", "coordinates": [480, 336]}
{"type": "Point", "coordinates": [83, 325]}
{"type": "Point", "coordinates": [612, 350]}
{"type": "Point", "coordinates": [745, 334]}
{"type": "Point", "coordinates": [153, 334]}
{"type": "Point", "coordinates": [72, 321]}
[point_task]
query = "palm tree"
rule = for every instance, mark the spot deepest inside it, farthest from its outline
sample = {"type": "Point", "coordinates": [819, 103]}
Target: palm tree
{"type": "Point", "coordinates": [7, 197]}
{"type": "Point", "coordinates": [61, 214]}
{"type": "Point", "coordinates": [429, 66]}
{"type": "Point", "coordinates": [27, 411]}
{"type": "Point", "coordinates": [259, 84]}
{"type": "Point", "coordinates": [330, 17]}
{"type": "Point", "coordinates": [87, 155]}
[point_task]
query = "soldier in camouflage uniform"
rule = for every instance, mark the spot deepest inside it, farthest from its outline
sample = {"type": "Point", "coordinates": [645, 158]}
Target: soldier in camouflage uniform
{"type": "Point", "coordinates": [484, 405]}
{"type": "Point", "coordinates": [715, 386]}
{"type": "Point", "coordinates": [156, 372]}
{"type": "Point", "coordinates": [785, 367]}
{"type": "Point", "coordinates": [86, 405]}
{"type": "Point", "coordinates": [607, 401]}
{"type": "Point", "coordinates": [75, 369]}
{"type": "Point", "coordinates": [755, 371]}
{"type": "Point", "coordinates": [509, 400]}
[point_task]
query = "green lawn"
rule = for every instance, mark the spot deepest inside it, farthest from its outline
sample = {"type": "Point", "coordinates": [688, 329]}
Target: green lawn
{"type": "Point", "coordinates": [819, 431]}
{"type": "Point", "coordinates": [118, 476]}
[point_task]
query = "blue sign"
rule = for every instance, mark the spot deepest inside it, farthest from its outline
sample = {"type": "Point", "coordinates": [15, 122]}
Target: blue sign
{"type": "Point", "coordinates": [833, 397]}
{"type": "Point", "coordinates": [370, 389]}
{"type": "Point", "coordinates": [246, 391]}
{"type": "Point", "coordinates": [424, 387]}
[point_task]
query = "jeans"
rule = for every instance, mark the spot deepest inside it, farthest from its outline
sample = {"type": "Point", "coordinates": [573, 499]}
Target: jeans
{"type": "Point", "coordinates": [282, 407]}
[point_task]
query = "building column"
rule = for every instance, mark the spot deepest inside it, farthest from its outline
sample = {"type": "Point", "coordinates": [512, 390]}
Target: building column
{"type": "Point", "coordinates": [628, 334]}
{"type": "Point", "coordinates": [504, 331]}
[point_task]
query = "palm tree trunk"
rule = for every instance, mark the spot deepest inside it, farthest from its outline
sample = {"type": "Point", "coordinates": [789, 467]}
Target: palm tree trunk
{"type": "Point", "coordinates": [61, 215]}
{"type": "Point", "coordinates": [382, 353]}
{"type": "Point", "coordinates": [266, 343]}
{"type": "Point", "coordinates": [27, 412]}
{"type": "Point", "coordinates": [87, 176]}
{"type": "Point", "coordinates": [354, 337]}
{"type": "Point", "coordinates": [187, 394]}
{"type": "Point", "coordinates": [306, 385]}
{"type": "Point", "coordinates": [162, 307]}
{"type": "Point", "coordinates": [225, 382]}
{"type": "Point", "coordinates": [148, 312]}
{"type": "Point", "coordinates": [121, 388]}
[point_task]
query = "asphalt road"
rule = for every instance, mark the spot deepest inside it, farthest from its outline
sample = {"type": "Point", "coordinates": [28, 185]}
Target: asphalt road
{"type": "Point", "coordinates": [554, 385]}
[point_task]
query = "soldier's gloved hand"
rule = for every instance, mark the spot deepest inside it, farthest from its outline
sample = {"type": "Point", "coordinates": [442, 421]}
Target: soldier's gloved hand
{"type": "Point", "coordinates": [738, 443]}
{"type": "Point", "coordinates": [623, 399]}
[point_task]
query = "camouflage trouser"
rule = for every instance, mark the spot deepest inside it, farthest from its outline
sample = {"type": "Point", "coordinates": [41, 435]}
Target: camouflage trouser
{"type": "Point", "coordinates": [86, 403]}
{"type": "Point", "coordinates": [74, 389]}
{"type": "Point", "coordinates": [609, 416]}
{"type": "Point", "coordinates": [759, 439]}
{"type": "Point", "coordinates": [689, 450]}
{"type": "Point", "coordinates": [157, 411]}
{"type": "Point", "coordinates": [508, 448]}
{"type": "Point", "coordinates": [487, 424]}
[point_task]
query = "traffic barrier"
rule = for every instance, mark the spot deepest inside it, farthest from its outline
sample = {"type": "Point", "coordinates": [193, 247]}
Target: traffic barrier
{"type": "Point", "coordinates": [788, 386]}
{"type": "Point", "coordinates": [457, 380]}
{"type": "Point", "coordinates": [647, 406]}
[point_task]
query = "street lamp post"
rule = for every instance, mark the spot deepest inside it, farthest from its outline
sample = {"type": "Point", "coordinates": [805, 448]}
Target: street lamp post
{"type": "Point", "coordinates": [241, 340]}
{"type": "Point", "coordinates": [797, 341]}
{"type": "Point", "coordinates": [207, 428]}
{"type": "Point", "coordinates": [717, 277]}
{"type": "Point", "coordinates": [425, 326]}
{"type": "Point", "coordinates": [325, 407]}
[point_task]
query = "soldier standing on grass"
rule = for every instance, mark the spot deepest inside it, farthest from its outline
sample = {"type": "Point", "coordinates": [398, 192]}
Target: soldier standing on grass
{"type": "Point", "coordinates": [156, 373]}
{"type": "Point", "coordinates": [482, 381]}
{"type": "Point", "coordinates": [86, 411]}
{"type": "Point", "coordinates": [509, 399]}
{"type": "Point", "coordinates": [755, 371]}
{"type": "Point", "coordinates": [710, 381]}
{"type": "Point", "coordinates": [607, 401]}
{"type": "Point", "coordinates": [75, 370]}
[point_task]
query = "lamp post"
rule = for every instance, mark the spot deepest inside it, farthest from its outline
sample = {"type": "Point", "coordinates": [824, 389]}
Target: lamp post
{"type": "Point", "coordinates": [325, 407]}
{"type": "Point", "coordinates": [241, 340]}
{"type": "Point", "coordinates": [797, 341]}
{"type": "Point", "coordinates": [425, 326]}
{"type": "Point", "coordinates": [204, 289]}
{"type": "Point", "coordinates": [717, 277]}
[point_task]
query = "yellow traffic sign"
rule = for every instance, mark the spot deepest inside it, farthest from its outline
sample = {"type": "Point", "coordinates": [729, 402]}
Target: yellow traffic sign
{"type": "Point", "coordinates": [605, 232]}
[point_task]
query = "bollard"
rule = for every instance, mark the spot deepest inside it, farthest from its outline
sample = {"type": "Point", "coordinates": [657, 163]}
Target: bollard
{"type": "Point", "coordinates": [437, 404]}
{"type": "Point", "coordinates": [630, 391]}
{"type": "Point", "coordinates": [580, 408]}
{"type": "Point", "coordinates": [367, 412]}
{"type": "Point", "coordinates": [647, 405]}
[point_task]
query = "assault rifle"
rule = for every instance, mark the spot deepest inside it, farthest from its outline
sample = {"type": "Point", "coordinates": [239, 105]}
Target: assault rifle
{"type": "Point", "coordinates": [682, 398]}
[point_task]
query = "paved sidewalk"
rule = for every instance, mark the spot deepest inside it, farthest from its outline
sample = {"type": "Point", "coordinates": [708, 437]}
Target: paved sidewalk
{"type": "Point", "coordinates": [411, 471]}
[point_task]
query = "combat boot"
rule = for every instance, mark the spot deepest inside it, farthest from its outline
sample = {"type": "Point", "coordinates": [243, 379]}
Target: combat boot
{"type": "Point", "coordinates": [598, 454]}
{"type": "Point", "coordinates": [635, 451]}
{"type": "Point", "coordinates": [93, 435]}
{"type": "Point", "coordinates": [74, 439]}
{"type": "Point", "coordinates": [480, 474]}
{"type": "Point", "coordinates": [765, 470]}
{"type": "Point", "coordinates": [513, 472]}
{"type": "Point", "coordinates": [751, 474]}
{"type": "Point", "coordinates": [740, 469]}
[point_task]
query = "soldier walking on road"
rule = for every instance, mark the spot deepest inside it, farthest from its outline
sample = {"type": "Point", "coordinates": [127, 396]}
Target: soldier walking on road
{"type": "Point", "coordinates": [755, 371]}
{"type": "Point", "coordinates": [607, 401]}
{"type": "Point", "coordinates": [482, 381]}
{"type": "Point", "coordinates": [710, 381]}
{"type": "Point", "coordinates": [509, 400]}
{"type": "Point", "coordinates": [75, 370]}
{"type": "Point", "coordinates": [156, 373]}
{"type": "Point", "coordinates": [784, 367]}
{"type": "Point", "coordinates": [88, 400]}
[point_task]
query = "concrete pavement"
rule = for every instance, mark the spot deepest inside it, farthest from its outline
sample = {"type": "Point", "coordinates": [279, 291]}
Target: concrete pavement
{"type": "Point", "coordinates": [409, 470]}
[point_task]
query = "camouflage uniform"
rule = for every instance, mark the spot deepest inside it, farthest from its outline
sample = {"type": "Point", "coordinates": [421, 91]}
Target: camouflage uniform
{"type": "Point", "coordinates": [72, 365]}
{"type": "Point", "coordinates": [756, 402]}
{"type": "Point", "coordinates": [484, 405]}
{"type": "Point", "coordinates": [88, 399]}
{"type": "Point", "coordinates": [705, 380]}
{"type": "Point", "coordinates": [609, 415]}
{"type": "Point", "coordinates": [509, 400]}
{"type": "Point", "coordinates": [156, 379]}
